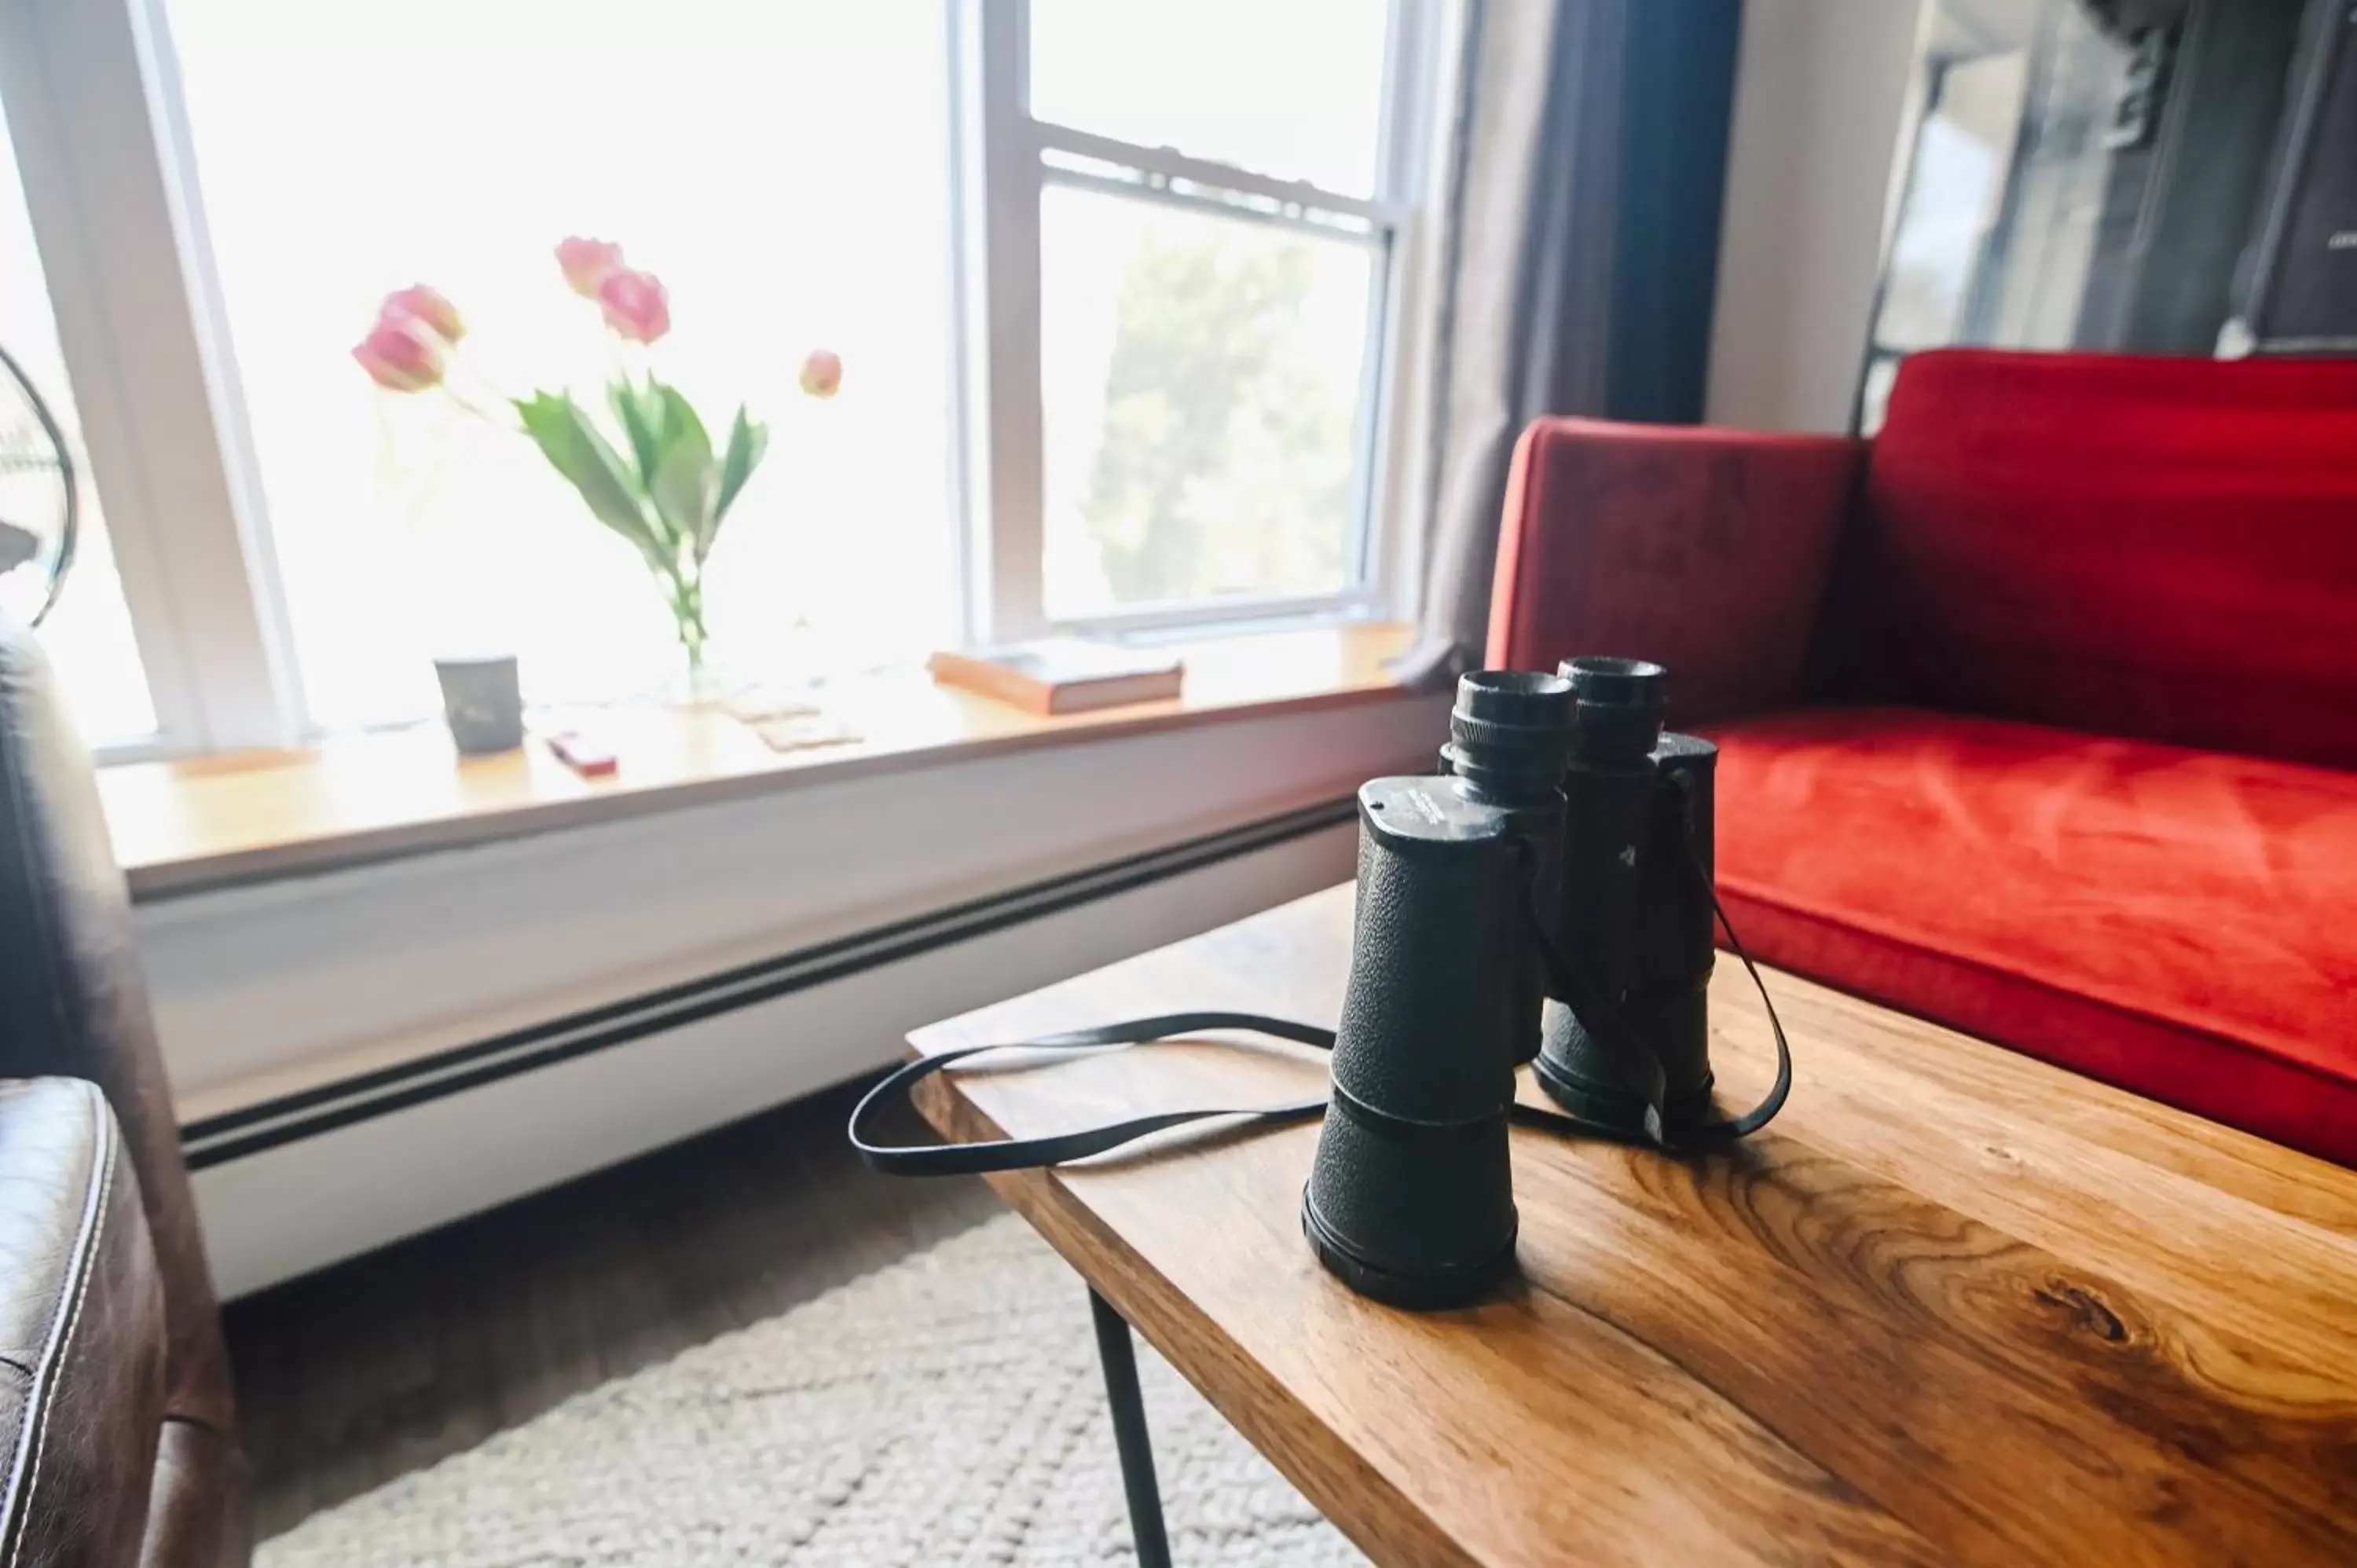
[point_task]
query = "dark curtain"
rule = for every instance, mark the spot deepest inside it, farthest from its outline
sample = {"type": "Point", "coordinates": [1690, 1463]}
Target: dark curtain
{"type": "Point", "coordinates": [1590, 155]}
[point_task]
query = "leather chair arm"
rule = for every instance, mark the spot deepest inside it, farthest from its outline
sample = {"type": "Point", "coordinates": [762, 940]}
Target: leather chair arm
{"type": "Point", "coordinates": [81, 1332]}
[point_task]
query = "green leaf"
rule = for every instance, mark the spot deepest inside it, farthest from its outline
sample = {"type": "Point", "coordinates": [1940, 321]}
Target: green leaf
{"type": "Point", "coordinates": [640, 414]}
{"type": "Point", "coordinates": [684, 487]}
{"type": "Point", "coordinates": [746, 441]}
{"type": "Point", "coordinates": [678, 423]}
{"type": "Point", "coordinates": [589, 463]}
{"type": "Point", "coordinates": [686, 480]}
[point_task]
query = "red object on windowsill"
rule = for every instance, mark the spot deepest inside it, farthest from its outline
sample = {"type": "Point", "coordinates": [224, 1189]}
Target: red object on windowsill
{"type": "Point", "coordinates": [2039, 713]}
{"type": "Point", "coordinates": [585, 754]}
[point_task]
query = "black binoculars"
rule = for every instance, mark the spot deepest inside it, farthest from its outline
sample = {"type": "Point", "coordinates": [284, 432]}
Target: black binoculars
{"type": "Point", "coordinates": [1547, 896]}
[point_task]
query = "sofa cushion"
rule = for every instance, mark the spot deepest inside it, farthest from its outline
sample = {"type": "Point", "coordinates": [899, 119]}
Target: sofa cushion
{"type": "Point", "coordinates": [2180, 923]}
{"type": "Point", "coordinates": [2158, 548]}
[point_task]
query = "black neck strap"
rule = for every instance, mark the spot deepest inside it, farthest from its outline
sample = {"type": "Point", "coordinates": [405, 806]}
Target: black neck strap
{"type": "Point", "coordinates": [1029, 1153]}
{"type": "Point", "coordinates": [1639, 1062]}
{"type": "Point", "coordinates": [1640, 1067]}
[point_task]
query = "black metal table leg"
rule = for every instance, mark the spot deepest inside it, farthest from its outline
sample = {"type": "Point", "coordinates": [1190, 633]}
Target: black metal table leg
{"type": "Point", "coordinates": [1129, 1437]}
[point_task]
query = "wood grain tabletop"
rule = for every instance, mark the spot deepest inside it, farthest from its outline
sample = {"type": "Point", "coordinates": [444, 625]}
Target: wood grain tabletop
{"type": "Point", "coordinates": [1955, 1305]}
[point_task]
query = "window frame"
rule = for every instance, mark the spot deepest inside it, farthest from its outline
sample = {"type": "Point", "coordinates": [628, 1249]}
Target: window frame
{"type": "Point", "coordinates": [94, 106]}
{"type": "Point", "coordinates": [1003, 172]}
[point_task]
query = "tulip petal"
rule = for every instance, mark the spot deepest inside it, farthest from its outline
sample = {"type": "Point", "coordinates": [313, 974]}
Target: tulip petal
{"type": "Point", "coordinates": [427, 305]}
{"type": "Point", "coordinates": [635, 305]}
{"type": "Point", "coordinates": [822, 373]}
{"type": "Point", "coordinates": [588, 264]}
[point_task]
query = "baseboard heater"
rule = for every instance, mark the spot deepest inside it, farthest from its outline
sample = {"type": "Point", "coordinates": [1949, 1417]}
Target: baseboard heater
{"type": "Point", "coordinates": [216, 1140]}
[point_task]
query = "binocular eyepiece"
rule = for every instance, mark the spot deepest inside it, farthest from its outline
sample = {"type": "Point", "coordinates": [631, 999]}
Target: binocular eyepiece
{"type": "Point", "coordinates": [1566, 832]}
{"type": "Point", "coordinates": [1616, 707]}
{"type": "Point", "coordinates": [1510, 731]}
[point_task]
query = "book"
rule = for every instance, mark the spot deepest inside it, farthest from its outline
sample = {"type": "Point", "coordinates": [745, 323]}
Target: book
{"type": "Point", "coordinates": [1062, 674]}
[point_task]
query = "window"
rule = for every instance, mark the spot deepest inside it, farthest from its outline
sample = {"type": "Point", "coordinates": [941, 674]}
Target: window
{"type": "Point", "coordinates": [1201, 376]}
{"type": "Point", "coordinates": [88, 636]}
{"type": "Point", "coordinates": [2005, 186]}
{"type": "Point", "coordinates": [783, 168]}
{"type": "Point", "coordinates": [1223, 80]}
{"type": "Point", "coordinates": [1117, 299]}
{"type": "Point", "coordinates": [1217, 232]}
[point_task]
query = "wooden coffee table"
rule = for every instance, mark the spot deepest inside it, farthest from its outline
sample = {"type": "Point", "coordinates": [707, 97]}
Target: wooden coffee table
{"type": "Point", "coordinates": [1955, 1304]}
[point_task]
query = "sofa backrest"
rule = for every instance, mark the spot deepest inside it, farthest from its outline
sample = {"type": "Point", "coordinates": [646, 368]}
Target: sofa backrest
{"type": "Point", "coordinates": [2158, 548]}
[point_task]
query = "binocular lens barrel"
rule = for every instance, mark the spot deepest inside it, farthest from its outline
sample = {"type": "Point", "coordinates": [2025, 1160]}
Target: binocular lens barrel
{"type": "Point", "coordinates": [1635, 916]}
{"type": "Point", "coordinates": [1410, 1199]}
{"type": "Point", "coordinates": [1565, 815]}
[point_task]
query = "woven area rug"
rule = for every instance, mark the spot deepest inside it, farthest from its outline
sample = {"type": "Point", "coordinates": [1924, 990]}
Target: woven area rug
{"type": "Point", "coordinates": [945, 1410]}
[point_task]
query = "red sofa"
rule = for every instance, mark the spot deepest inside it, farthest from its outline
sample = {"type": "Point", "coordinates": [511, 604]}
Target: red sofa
{"type": "Point", "coordinates": [2038, 712]}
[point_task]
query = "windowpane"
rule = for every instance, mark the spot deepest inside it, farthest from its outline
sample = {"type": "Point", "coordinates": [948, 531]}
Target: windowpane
{"type": "Point", "coordinates": [1954, 193]}
{"type": "Point", "coordinates": [1201, 380]}
{"type": "Point", "coordinates": [88, 636]}
{"type": "Point", "coordinates": [782, 167]}
{"type": "Point", "coordinates": [2007, 184]}
{"type": "Point", "coordinates": [1293, 90]}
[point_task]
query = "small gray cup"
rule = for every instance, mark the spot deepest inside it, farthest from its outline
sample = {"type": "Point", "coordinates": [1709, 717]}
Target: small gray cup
{"type": "Point", "coordinates": [483, 701]}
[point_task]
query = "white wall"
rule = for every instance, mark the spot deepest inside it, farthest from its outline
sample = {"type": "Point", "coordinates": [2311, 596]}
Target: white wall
{"type": "Point", "coordinates": [265, 989]}
{"type": "Point", "coordinates": [286, 1211]}
{"type": "Point", "coordinates": [1821, 92]}
{"type": "Point", "coordinates": [256, 986]}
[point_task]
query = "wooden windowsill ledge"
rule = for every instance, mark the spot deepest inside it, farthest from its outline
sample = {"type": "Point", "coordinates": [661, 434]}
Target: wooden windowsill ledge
{"type": "Point", "coordinates": [191, 826]}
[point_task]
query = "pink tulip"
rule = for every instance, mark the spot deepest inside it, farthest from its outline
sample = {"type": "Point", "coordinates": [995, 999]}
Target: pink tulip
{"type": "Point", "coordinates": [420, 304]}
{"type": "Point", "coordinates": [823, 373]}
{"type": "Point", "coordinates": [400, 355]}
{"type": "Point", "coordinates": [635, 306]}
{"type": "Point", "coordinates": [588, 264]}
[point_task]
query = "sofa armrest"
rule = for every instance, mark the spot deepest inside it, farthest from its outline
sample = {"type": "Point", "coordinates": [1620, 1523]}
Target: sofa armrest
{"type": "Point", "coordinates": [81, 1332]}
{"type": "Point", "coordinates": [1703, 550]}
